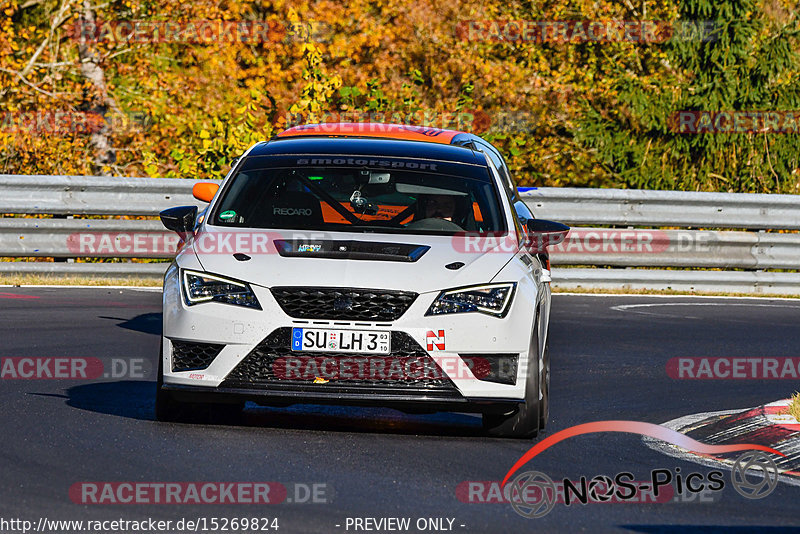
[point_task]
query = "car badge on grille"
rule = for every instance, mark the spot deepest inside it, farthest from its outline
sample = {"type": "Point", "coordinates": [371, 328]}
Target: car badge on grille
{"type": "Point", "coordinates": [320, 380]}
{"type": "Point", "coordinates": [343, 303]}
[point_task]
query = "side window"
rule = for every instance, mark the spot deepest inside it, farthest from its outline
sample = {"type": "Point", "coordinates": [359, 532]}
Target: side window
{"type": "Point", "coordinates": [515, 214]}
{"type": "Point", "coordinates": [496, 172]}
{"type": "Point", "coordinates": [504, 169]}
{"type": "Point", "coordinates": [499, 163]}
{"type": "Point", "coordinates": [501, 169]}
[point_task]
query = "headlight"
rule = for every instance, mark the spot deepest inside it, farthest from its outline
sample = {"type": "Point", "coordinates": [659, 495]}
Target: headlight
{"type": "Point", "coordinates": [203, 287]}
{"type": "Point", "coordinates": [491, 299]}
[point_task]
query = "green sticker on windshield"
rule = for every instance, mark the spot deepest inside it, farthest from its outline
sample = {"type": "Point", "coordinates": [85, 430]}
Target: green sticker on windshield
{"type": "Point", "coordinates": [230, 214]}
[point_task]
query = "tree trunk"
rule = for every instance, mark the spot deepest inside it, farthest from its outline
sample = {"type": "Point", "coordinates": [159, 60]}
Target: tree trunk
{"type": "Point", "coordinates": [101, 103]}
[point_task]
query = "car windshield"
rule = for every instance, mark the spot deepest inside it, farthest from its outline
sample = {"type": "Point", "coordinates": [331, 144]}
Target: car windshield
{"type": "Point", "coordinates": [420, 200]}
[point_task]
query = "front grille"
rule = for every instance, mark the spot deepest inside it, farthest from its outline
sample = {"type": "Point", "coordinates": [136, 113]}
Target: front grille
{"type": "Point", "coordinates": [191, 356]}
{"type": "Point", "coordinates": [343, 303]}
{"type": "Point", "coordinates": [266, 366]}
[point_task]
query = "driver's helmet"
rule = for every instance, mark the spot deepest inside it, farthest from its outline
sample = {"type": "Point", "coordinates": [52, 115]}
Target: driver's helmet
{"type": "Point", "coordinates": [438, 206]}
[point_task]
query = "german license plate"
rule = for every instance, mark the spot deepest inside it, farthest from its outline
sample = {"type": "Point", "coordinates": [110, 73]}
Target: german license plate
{"type": "Point", "coordinates": [328, 340]}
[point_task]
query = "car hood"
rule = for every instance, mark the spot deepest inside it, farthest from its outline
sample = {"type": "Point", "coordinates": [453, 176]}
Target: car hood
{"type": "Point", "coordinates": [343, 259]}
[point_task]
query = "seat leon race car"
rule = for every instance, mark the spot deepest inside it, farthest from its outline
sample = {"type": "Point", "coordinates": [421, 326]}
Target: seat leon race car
{"type": "Point", "coordinates": [363, 264]}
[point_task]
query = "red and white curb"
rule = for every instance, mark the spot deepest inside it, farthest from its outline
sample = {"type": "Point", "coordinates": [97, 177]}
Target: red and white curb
{"type": "Point", "coordinates": [763, 425]}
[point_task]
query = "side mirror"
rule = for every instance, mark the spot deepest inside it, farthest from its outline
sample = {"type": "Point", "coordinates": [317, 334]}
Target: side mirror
{"type": "Point", "coordinates": [542, 234]}
{"type": "Point", "coordinates": [180, 219]}
{"type": "Point", "coordinates": [205, 191]}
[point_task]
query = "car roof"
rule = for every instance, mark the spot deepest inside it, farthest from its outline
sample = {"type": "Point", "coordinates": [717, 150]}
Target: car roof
{"type": "Point", "coordinates": [373, 129]}
{"type": "Point", "coordinates": [367, 146]}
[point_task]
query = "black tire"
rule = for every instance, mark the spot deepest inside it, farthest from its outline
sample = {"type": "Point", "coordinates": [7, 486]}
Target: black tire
{"type": "Point", "coordinates": [170, 410]}
{"type": "Point", "coordinates": [544, 377]}
{"type": "Point", "coordinates": [167, 409]}
{"type": "Point", "coordinates": [522, 421]}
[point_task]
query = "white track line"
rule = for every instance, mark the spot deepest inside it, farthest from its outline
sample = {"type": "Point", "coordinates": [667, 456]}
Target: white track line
{"type": "Point", "coordinates": [687, 296]}
{"type": "Point", "coordinates": [630, 308]}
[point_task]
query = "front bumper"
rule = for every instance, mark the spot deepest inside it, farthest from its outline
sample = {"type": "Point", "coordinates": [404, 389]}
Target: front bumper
{"type": "Point", "coordinates": [238, 332]}
{"type": "Point", "coordinates": [409, 401]}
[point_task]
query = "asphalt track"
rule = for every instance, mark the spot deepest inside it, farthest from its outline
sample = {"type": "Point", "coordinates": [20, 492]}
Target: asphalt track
{"type": "Point", "coordinates": [607, 363]}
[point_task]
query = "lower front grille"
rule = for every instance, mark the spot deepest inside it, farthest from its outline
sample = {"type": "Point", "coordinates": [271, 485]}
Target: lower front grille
{"type": "Point", "coordinates": [191, 356]}
{"type": "Point", "coordinates": [273, 363]}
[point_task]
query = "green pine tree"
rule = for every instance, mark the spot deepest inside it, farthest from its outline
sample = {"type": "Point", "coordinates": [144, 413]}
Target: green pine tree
{"type": "Point", "coordinates": [741, 57]}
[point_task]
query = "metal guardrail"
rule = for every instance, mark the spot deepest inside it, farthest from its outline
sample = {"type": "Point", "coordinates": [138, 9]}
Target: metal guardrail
{"type": "Point", "coordinates": [92, 195]}
{"type": "Point", "coordinates": [686, 209]}
{"type": "Point", "coordinates": [678, 248]}
{"type": "Point", "coordinates": [153, 271]}
{"type": "Point", "coordinates": [617, 245]}
{"type": "Point", "coordinates": [104, 238]}
{"type": "Point", "coordinates": [688, 281]}
{"type": "Point", "coordinates": [98, 238]}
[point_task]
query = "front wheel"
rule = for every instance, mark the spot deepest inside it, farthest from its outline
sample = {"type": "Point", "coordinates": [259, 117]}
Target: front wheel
{"type": "Point", "coordinates": [525, 420]}
{"type": "Point", "coordinates": [167, 409]}
{"type": "Point", "coordinates": [544, 380]}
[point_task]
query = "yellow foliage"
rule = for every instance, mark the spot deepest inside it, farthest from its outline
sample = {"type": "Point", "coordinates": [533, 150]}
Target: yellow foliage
{"type": "Point", "coordinates": [205, 103]}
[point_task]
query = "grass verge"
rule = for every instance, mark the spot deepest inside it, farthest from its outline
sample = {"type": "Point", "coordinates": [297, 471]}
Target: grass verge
{"type": "Point", "coordinates": [794, 408]}
{"type": "Point", "coordinates": [45, 280]}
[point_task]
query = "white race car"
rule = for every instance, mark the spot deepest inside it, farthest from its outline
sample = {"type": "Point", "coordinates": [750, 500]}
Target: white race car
{"type": "Point", "coordinates": [365, 264]}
